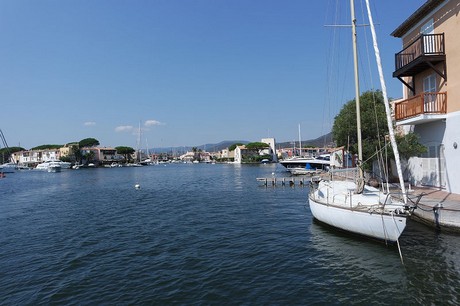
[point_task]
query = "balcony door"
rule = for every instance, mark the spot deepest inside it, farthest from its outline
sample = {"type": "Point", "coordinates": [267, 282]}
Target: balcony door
{"type": "Point", "coordinates": [429, 88]}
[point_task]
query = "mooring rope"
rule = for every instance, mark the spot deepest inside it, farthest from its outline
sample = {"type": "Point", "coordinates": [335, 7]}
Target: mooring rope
{"type": "Point", "coordinates": [397, 239]}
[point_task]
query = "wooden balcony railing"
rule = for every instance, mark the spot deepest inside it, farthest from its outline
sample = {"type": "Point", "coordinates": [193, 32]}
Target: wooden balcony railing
{"type": "Point", "coordinates": [424, 103]}
{"type": "Point", "coordinates": [425, 45]}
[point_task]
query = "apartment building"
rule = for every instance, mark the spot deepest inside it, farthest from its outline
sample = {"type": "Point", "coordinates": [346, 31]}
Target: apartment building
{"type": "Point", "coordinates": [429, 68]}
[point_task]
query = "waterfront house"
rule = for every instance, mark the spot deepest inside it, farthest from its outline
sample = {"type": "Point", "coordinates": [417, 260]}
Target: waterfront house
{"type": "Point", "coordinates": [68, 150]}
{"type": "Point", "coordinates": [188, 157]}
{"type": "Point", "coordinates": [240, 153]}
{"type": "Point", "coordinates": [101, 155]}
{"type": "Point", "coordinates": [271, 150]}
{"type": "Point", "coordinates": [31, 158]}
{"type": "Point", "coordinates": [429, 67]}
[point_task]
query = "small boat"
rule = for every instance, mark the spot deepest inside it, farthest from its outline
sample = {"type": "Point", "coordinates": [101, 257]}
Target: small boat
{"type": "Point", "coordinates": [304, 171]}
{"type": "Point", "coordinates": [8, 167]}
{"type": "Point", "coordinates": [65, 165]}
{"type": "Point", "coordinates": [77, 166]}
{"type": "Point", "coordinates": [54, 167]}
{"type": "Point", "coordinates": [322, 162]}
{"type": "Point", "coordinates": [50, 166]}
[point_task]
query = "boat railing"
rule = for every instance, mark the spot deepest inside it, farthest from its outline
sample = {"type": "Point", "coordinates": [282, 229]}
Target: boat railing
{"type": "Point", "coordinates": [344, 173]}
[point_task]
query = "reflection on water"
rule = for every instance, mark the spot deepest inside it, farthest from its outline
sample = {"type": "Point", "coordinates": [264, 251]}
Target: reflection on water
{"type": "Point", "coordinates": [430, 274]}
{"type": "Point", "coordinates": [200, 234]}
{"type": "Point", "coordinates": [357, 256]}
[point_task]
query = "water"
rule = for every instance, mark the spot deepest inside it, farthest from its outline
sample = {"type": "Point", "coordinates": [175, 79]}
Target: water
{"type": "Point", "coordinates": [200, 234]}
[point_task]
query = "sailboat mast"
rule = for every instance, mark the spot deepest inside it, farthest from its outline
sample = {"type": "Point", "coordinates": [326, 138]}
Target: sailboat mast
{"type": "Point", "coordinates": [387, 104]}
{"type": "Point", "coordinates": [358, 111]}
{"type": "Point", "coordinates": [139, 143]}
{"type": "Point", "coordinates": [300, 142]}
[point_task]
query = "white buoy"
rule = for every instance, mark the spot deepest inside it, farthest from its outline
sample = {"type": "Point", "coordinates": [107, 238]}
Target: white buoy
{"type": "Point", "coordinates": [137, 186]}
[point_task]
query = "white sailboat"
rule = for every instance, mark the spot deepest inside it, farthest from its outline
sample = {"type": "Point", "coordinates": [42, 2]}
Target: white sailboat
{"type": "Point", "coordinates": [350, 205]}
{"type": "Point", "coordinates": [9, 166]}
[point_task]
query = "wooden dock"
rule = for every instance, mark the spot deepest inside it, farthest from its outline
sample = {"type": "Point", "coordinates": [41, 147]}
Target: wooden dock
{"type": "Point", "coordinates": [284, 181]}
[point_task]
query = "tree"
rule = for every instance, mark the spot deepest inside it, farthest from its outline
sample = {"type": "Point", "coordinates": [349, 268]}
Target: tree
{"type": "Point", "coordinates": [233, 146]}
{"type": "Point", "coordinates": [374, 128]}
{"type": "Point", "coordinates": [47, 146]}
{"type": "Point", "coordinates": [89, 156]}
{"type": "Point", "coordinates": [257, 145]}
{"type": "Point", "coordinates": [125, 151]}
{"type": "Point", "coordinates": [409, 145]}
{"type": "Point", "coordinates": [88, 142]}
{"type": "Point", "coordinates": [5, 153]}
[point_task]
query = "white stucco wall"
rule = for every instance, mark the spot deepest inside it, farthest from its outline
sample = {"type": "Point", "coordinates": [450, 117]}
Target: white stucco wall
{"type": "Point", "coordinates": [452, 155]}
{"type": "Point", "coordinates": [442, 135]}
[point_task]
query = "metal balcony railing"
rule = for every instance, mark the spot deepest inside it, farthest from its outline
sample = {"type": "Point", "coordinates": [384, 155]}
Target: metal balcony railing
{"type": "Point", "coordinates": [424, 45]}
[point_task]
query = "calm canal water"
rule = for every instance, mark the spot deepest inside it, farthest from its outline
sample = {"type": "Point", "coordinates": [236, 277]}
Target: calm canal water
{"type": "Point", "coordinates": [200, 234]}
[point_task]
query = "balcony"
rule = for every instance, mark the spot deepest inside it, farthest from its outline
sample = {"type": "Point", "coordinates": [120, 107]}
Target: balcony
{"type": "Point", "coordinates": [425, 52]}
{"type": "Point", "coordinates": [425, 107]}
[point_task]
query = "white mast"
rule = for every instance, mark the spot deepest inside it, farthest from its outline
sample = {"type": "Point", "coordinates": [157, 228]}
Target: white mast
{"type": "Point", "coordinates": [360, 181]}
{"type": "Point", "coordinates": [300, 143]}
{"type": "Point", "coordinates": [387, 105]}
{"type": "Point", "coordinates": [139, 143]}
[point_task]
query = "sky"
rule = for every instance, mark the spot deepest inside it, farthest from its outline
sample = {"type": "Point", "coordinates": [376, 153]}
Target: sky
{"type": "Point", "coordinates": [183, 72]}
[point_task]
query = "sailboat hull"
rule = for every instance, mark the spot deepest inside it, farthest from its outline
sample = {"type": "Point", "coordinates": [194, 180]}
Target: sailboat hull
{"type": "Point", "coordinates": [383, 226]}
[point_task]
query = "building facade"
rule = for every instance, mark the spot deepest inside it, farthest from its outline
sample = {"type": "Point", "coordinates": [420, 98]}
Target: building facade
{"type": "Point", "coordinates": [100, 155]}
{"type": "Point", "coordinates": [429, 68]}
{"type": "Point", "coordinates": [31, 158]}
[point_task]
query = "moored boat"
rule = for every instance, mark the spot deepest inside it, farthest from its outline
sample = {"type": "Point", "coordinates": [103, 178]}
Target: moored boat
{"type": "Point", "coordinates": [350, 205]}
{"type": "Point", "coordinates": [8, 167]}
{"type": "Point", "coordinates": [50, 166]}
{"type": "Point", "coordinates": [319, 163]}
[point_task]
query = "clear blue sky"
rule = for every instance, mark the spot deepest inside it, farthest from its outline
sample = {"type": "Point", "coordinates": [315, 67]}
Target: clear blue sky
{"type": "Point", "coordinates": [196, 71]}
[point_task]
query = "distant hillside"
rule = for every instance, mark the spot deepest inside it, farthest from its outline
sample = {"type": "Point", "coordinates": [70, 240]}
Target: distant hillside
{"type": "Point", "coordinates": [322, 141]}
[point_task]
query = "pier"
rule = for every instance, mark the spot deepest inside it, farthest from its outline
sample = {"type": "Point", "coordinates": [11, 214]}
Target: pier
{"type": "Point", "coordinates": [284, 181]}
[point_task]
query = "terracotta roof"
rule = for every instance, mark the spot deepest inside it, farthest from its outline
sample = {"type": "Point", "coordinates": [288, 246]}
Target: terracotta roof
{"type": "Point", "coordinates": [424, 10]}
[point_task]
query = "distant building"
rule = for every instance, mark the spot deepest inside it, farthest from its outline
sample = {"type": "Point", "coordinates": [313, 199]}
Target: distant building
{"type": "Point", "coordinates": [227, 154]}
{"type": "Point", "coordinates": [187, 157]}
{"type": "Point", "coordinates": [32, 158]}
{"type": "Point", "coordinates": [100, 155]}
{"type": "Point", "coordinates": [240, 151]}
{"type": "Point", "coordinates": [243, 154]}
{"type": "Point", "coordinates": [272, 150]}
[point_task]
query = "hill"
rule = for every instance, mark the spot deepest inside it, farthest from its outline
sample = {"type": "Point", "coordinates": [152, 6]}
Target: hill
{"type": "Point", "coordinates": [322, 141]}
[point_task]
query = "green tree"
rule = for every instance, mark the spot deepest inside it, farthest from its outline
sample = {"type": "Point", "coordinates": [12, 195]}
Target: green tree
{"type": "Point", "coordinates": [233, 146]}
{"type": "Point", "coordinates": [374, 128]}
{"type": "Point", "coordinates": [5, 153]}
{"type": "Point", "coordinates": [88, 142]}
{"type": "Point", "coordinates": [409, 145]}
{"type": "Point", "coordinates": [125, 151]}
{"type": "Point", "coordinates": [47, 146]}
{"type": "Point", "coordinates": [257, 145]}
{"type": "Point", "coordinates": [88, 156]}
